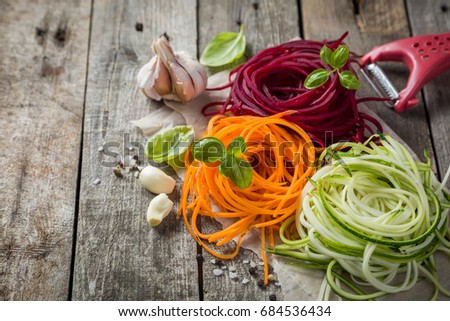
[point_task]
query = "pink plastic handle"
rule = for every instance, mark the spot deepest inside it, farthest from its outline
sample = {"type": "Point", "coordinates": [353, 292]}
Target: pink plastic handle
{"type": "Point", "coordinates": [426, 56]}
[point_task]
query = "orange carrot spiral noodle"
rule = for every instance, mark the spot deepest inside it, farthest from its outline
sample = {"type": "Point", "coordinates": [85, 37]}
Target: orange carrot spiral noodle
{"type": "Point", "coordinates": [282, 156]}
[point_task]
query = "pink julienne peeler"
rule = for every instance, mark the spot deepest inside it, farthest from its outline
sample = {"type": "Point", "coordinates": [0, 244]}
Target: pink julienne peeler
{"type": "Point", "coordinates": [426, 56]}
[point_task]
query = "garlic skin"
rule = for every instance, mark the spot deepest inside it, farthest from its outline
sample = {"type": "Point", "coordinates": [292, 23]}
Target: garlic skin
{"type": "Point", "coordinates": [146, 80]}
{"type": "Point", "coordinates": [156, 181]}
{"type": "Point", "coordinates": [171, 75]}
{"type": "Point", "coordinates": [159, 207]}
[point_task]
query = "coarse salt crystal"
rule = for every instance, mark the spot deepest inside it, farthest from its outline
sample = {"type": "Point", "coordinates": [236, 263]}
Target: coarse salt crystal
{"type": "Point", "coordinates": [217, 272]}
{"type": "Point", "coordinates": [96, 181]}
{"type": "Point", "coordinates": [233, 275]}
{"type": "Point", "coordinates": [232, 268]}
{"type": "Point", "coordinates": [246, 261]}
{"type": "Point", "coordinates": [252, 264]}
{"type": "Point", "coordinates": [245, 281]}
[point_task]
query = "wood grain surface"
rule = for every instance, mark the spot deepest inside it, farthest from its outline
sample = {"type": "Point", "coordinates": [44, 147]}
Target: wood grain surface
{"type": "Point", "coordinates": [70, 228]}
{"type": "Point", "coordinates": [434, 17]}
{"type": "Point", "coordinates": [118, 256]}
{"type": "Point", "coordinates": [43, 57]}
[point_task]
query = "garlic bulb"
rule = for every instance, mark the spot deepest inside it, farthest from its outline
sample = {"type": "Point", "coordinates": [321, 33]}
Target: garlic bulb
{"type": "Point", "coordinates": [156, 181]}
{"type": "Point", "coordinates": [159, 207]}
{"type": "Point", "coordinates": [171, 75]}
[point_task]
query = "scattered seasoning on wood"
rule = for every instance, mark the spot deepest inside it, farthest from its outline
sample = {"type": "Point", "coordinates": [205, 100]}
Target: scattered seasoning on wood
{"type": "Point", "coordinates": [261, 284]}
{"type": "Point", "coordinates": [217, 272]}
{"type": "Point", "coordinates": [96, 181]}
{"type": "Point", "coordinates": [130, 167]}
{"type": "Point", "coordinates": [133, 165]}
{"type": "Point", "coordinates": [252, 270]}
{"type": "Point", "coordinates": [118, 171]}
{"type": "Point", "coordinates": [233, 275]}
{"type": "Point", "coordinates": [219, 263]}
{"type": "Point", "coordinates": [245, 281]}
{"type": "Point", "coordinates": [272, 277]}
{"type": "Point", "coordinates": [40, 32]}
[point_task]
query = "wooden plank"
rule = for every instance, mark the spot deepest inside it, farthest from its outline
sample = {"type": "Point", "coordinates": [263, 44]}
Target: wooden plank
{"type": "Point", "coordinates": [43, 56]}
{"type": "Point", "coordinates": [118, 256]}
{"type": "Point", "coordinates": [266, 23]}
{"type": "Point", "coordinates": [371, 23]}
{"type": "Point", "coordinates": [434, 17]}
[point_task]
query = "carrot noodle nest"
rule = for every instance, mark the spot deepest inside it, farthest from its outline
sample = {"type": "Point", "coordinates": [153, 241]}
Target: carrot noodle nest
{"type": "Point", "coordinates": [282, 156]}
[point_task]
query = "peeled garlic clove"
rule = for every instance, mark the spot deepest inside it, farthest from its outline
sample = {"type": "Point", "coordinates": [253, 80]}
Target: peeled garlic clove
{"type": "Point", "coordinates": [159, 207]}
{"type": "Point", "coordinates": [156, 181]}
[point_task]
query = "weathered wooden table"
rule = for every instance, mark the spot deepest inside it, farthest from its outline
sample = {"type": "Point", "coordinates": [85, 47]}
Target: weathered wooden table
{"type": "Point", "coordinates": [67, 88]}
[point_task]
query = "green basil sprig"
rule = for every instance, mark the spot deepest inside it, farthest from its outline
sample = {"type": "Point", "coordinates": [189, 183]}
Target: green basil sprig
{"type": "Point", "coordinates": [336, 59]}
{"type": "Point", "coordinates": [232, 166]}
{"type": "Point", "coordinates": [224, 49]}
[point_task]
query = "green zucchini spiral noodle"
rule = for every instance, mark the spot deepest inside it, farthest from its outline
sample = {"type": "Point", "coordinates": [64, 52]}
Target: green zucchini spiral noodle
{"type": "Point", "coordinates": [372, 217]}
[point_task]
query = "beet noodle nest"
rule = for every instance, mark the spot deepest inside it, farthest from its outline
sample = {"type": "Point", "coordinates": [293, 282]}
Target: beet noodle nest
{"type": "Point", "coordinates": [273, 81]}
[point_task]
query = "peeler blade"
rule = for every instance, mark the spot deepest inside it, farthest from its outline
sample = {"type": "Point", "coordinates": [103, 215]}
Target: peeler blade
{"type": "Point", "coordinates": [381, 83]}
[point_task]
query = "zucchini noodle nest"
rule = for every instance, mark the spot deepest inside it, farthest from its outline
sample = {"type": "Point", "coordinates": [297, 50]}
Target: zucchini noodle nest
{"type": "Point", "coordinates": [375, 213]}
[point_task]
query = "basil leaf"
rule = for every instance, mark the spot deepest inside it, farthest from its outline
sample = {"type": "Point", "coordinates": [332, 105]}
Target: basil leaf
{"type": "Point", "coordinates": [224, 48]}
{"type": "Point", "coordinates": [170, 145]}
{"type": "Point", "coordinates": [237, 169]}
{"type": "Point", "coordinates": [237, 146]}
{"type": "Point", "coordinates": [325, 54]}
{"type": "Point", "coordinates": [349, 80]}
{"type": "Point", "coordinates": [208, 150]}
{"type": "Point", "coordinates": [317, 78]}
{"type": "Point", "coordinates": [339, 57]}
